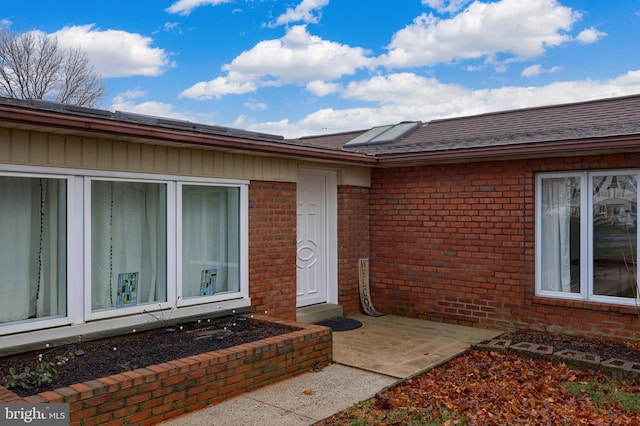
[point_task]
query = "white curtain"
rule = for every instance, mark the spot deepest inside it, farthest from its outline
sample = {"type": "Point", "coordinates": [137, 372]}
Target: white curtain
{"type": "Point", "coordinates": [556, 233]}
{"type": "Point", "coordinates": [210, 237]}
{"type": "Point", "coordinates": [32, 248]}
{"type": "Point", "coordinates": [128, 234]}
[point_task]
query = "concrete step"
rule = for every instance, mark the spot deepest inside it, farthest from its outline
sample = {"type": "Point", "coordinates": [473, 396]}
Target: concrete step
{"type": "Point", "coordinates": [317, 313]}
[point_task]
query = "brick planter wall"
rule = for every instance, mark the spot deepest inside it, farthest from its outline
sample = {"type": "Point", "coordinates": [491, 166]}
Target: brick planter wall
{"type": "Point", "coordinates": [159, 392]}
{"type": "Point", "coordinates": [456, 243]}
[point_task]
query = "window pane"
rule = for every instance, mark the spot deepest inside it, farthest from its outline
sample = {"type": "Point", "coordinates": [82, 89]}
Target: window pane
{"type": "Point", "coordinates": [128, 244]}
{"type": "Point", "coordinates": [210, 240]}
{"type": "Point", "coordinates": [560, 223]}
{"type": "Point", "coordinates": [614, 235]}
{"type": "Point", "coordinates": [33, 253]}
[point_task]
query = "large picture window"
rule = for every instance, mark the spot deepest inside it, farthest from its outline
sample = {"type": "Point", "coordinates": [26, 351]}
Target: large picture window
{"type": "Point", "coordinates": [33, 248]}
{"type": "Point", "coordinates": [128, 244]}
{"type": "Point", "coordinates": [78, 247]}
{"type": "Point", "coordinates": [587, 236]}
{"type": "Point", "coordinates": [210, 240]}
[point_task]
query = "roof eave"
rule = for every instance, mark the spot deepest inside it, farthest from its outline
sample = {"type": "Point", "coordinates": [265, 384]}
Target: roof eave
{"type": "Point", "coordinates": [109, 127]}
{"type": "Point", "coordinates": [576, 147]}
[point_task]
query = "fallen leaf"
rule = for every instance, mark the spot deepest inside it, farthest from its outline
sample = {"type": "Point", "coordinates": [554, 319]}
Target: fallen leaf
{"type": "Point", "coordinates": [492, 388]}
{"type": "Point", "coordinates": [396, 402]}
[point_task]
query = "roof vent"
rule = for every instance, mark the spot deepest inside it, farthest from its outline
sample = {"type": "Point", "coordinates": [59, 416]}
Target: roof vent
{"type": "Point", "coordinates": [383, 134]}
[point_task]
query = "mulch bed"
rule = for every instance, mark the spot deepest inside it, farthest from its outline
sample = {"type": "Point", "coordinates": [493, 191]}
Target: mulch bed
{"type": "Point", "coordinates": [101, 358]}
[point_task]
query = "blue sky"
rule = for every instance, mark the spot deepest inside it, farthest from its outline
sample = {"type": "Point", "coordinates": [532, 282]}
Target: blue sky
{"type": "Point", "coordinates": [303, 67]}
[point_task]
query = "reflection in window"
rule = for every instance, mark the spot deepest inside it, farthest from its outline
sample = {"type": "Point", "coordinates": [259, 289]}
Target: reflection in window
{"type": "Point", "coordinates": [33, 243]}
{"type": "Point", "coordinates": [210, 240]}
{"type": "Point", "coordinates": [592, 256]}
{"type": "Point", "coordinates": [128, 244]}
{"type": "Point", "coordinates": [614, 235]}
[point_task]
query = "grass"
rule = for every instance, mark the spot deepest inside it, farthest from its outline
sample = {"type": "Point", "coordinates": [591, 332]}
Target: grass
{"type": "Point", "coordinates": [437, 415]}
{"type": "Point", "coordinates": [605, 393]}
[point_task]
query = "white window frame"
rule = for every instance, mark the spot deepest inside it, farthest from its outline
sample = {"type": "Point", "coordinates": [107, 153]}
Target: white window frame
{"type": "Point", "coordinates": [244, 244]}
{"type": "Point", "coordinates": [79, 247]}
{"type": "Point", "coordinates": [71, 312]}
{"type": "Point", "coordinates": [170, 225]}
{"type": "Point", "coordinates": [586, 238]}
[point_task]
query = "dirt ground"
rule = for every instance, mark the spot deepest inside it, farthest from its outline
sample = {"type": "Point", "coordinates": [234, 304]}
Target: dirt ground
{"type": "Point", "coordinates": [101, 358]}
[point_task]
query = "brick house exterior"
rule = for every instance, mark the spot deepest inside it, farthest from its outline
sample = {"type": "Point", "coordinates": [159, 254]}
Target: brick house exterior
{"type": "Point", "coordinates": [470, 260]}
{"type": "Point", "coordinates": [452, 215]}
{"type": "Point", "coordinates": [272, 245]}
{"type": "Point", "coordinates": [445, 211]}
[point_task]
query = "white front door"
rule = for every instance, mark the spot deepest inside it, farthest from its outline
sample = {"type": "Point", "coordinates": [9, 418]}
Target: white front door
{"type": "Point", "coordinates": [313, 258]}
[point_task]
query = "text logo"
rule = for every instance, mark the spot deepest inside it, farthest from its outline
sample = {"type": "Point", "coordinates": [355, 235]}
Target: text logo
{"type": "Point", "coordinates": [34, 414]}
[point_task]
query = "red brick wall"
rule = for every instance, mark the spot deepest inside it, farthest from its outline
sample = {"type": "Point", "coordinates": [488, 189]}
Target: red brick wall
{"type": "Point", "coordinates": [272, 248]}
{"type": "Point", "coordinates": [353, 243]}
{"type": "Point", "coordinates": [455, 243]}
{"type": "Point", "coordinates": [156, 393]}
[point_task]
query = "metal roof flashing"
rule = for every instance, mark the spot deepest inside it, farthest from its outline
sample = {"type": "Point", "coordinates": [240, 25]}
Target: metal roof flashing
{"type": "Point", "coordinates": [383, 135]}
{"type": "Point", "coordinates": [143, 119]}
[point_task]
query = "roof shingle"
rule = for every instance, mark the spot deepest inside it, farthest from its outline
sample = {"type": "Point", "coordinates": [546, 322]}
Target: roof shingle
{"type": "Point", "coordinates": [566, 122]}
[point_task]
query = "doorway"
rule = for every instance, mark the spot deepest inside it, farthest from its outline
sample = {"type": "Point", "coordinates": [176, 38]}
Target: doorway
{"type": "Point", "coordinates": [316, 260]}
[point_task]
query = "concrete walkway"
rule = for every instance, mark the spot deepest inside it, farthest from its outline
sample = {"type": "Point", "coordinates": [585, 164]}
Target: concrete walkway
{"type": "Point", "coordinates": [366, 360]}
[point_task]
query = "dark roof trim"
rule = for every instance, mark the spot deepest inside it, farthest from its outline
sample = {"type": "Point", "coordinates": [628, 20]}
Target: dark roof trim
{"type": "Point", "coordinates": [531, 150]}
{"type": "Point", "coordinates": [101, 124]}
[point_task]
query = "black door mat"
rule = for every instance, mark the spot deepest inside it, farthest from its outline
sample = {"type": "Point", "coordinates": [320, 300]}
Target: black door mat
{"type": "Point", "coordinates": [341, 324]}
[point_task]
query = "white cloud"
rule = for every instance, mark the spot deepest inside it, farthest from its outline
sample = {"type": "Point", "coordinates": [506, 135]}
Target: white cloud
{"type": "Point", "coordinates": [115, 53]}
{"type": "Point", "coordinates": [5, 24]}
{"type": "Point", "coordinates": [129, 94]}
{"type": "Point", "coordinates": [304, 12]}
{"type": "Point", "coordinates": [535, 70]}
{"type": "Point", "coordinates": [254, 104]}
{"type": "Point", "coordinates": [532, 70]}
{"type": "Point", "coordinates": [401, 88]}
{"type": "Point", "coordinates": [590, 35]}
{"type": "Point", "coordinates": [448, 6]}
{"type": "Point", "coordinates": [404, 96]}
{"type": "Point", "coordinates": [523, 29]}
{"type": "Point", "coordinates": [217, 88]}
{"type": "Point", "coordinates": [170, 26]}
{"type": "Point", "coordinates": [155, 109]}
{"type": "Point", "coordinates": [131, 101]}
{"type": "Point", "coordinates": [322, 88]}
{"type": "Point", "coordinates": [297, 58]}
{"type": "Point", "coordinates": [185, 7]}
{"type": "Point", "coordinates": [124, 102]}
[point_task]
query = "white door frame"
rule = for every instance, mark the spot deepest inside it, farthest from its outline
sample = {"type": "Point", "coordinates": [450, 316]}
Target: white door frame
{"type": "Point", "coordinates": [330, 251]}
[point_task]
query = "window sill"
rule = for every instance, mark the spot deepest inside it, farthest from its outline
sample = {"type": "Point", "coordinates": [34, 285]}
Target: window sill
{"type": "Point", "coordinates": [587, 305]}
